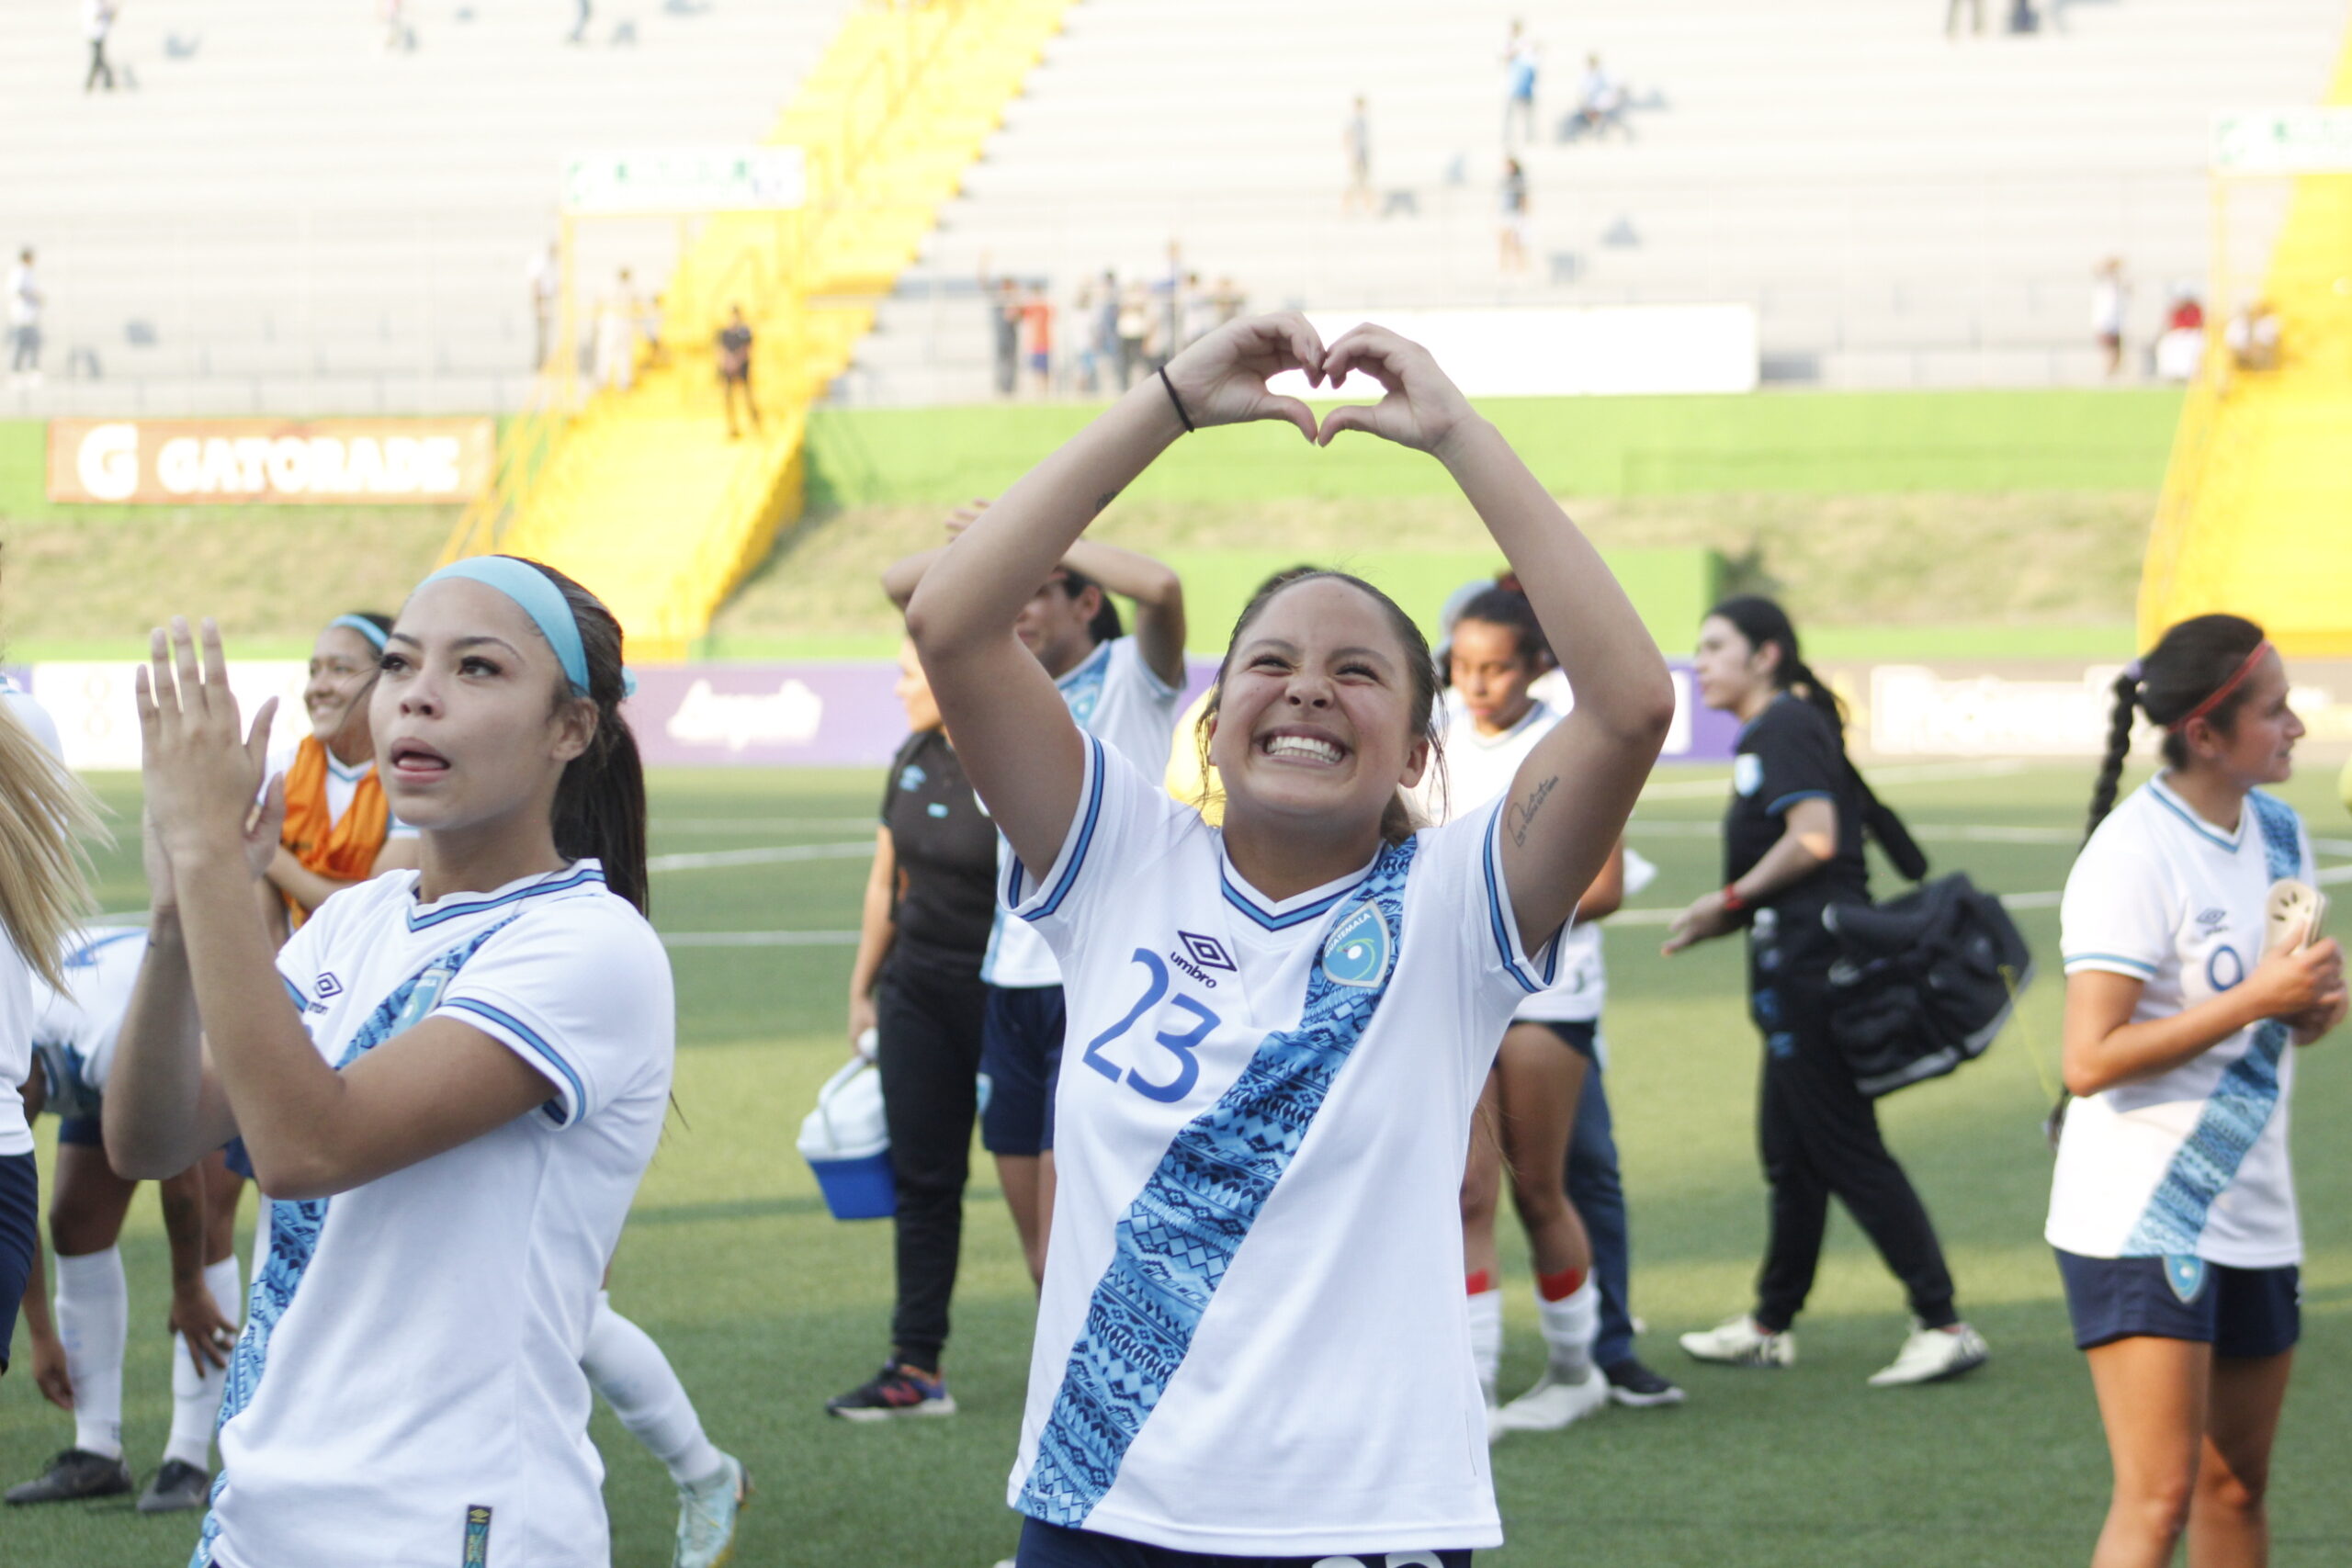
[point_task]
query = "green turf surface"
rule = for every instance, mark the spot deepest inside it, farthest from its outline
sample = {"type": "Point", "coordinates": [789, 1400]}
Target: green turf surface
{"type": "Point", "coordinates": [767, 1305]}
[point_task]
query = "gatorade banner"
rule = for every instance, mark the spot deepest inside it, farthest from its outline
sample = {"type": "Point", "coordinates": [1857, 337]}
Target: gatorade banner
{"type": "Point", "coordinates": [340, 462]}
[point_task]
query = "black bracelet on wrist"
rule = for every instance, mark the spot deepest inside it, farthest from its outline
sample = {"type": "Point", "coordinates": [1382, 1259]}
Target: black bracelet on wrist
{"type": "Point", "coordinates": [1180, 414]}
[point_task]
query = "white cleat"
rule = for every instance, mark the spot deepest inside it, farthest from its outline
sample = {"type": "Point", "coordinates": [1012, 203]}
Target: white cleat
{"type": "Point", "coordinates": [707, 1514]}
{"type": "Point", "coordinates": [1934, 1355]}
{"type": "Point", "coordinates": [1552, 1403]}
{"type": "Point", "coordinates": [1738, 1342]}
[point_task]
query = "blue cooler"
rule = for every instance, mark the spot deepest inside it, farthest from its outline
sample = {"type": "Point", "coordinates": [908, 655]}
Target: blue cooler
{"type": "Point", "coordinates": [847, 1144]}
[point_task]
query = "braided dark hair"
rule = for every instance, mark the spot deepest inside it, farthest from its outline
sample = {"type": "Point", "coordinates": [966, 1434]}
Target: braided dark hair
{"type": "Point", "coordinates": [2188, 665]}
{"type": "Point", "coordinates": [1396, 823]}
{"type": "Point", "coordinates": [1765, 625]}
{"type": "Point", "coordinates": [600, 802]}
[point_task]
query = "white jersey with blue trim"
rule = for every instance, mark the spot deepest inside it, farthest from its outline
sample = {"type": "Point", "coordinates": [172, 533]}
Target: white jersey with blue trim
{"type": "Point", "coordinates": [1114, 693]}
{"type": "Point", "coordinates": [2192, 1162]}
{"type": "Point", "coordinates": [74, 1030]}
{"type": "Point", "coordinates": [1252, 1338]}
{"type": "Point", "coordinates": [1478, 772]}
{"type": "Point", "coordinates": [15, 975]}
{"type": "Point", "coordinates": [409, 1368]}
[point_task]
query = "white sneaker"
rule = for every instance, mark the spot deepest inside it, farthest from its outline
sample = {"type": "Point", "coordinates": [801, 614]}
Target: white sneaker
{"type": "Point", "coordinates": [1738, 1342]}
{"type": "Point", "coordinates": [1932, 1355]}
{"type": "Point", "coordinates": [1552, 1404]}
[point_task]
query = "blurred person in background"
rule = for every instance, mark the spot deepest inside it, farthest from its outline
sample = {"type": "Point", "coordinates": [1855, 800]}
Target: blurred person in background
{"type": "Point", "coordinates": [916, 1004]}
{"type": "Point", "coordinates": [544, 278]}
{"type": "Point", "coordinates": [1199, 310]}
{"type": "Point", "coordinates": [2180, 349]}
{"type": "Point", "coordinates": [23, 321]}
{"type": "Point", "coordinates": [734, 346]}
{"type": "Point", "coordinates": [1229, 299]}
{"type": "Point", "coordinates": [1512, 201]}
{"type": "Point", "coordinates": [1356, 137]}
{"type": "Point", "coordinates": [1003, 297]}
{"type": "Point", "coordinates": [1102, 330]}
{"type": "Point", "coordinates": [1601, 102]}
{"type": "Point", "coordinates": [1521, 56]}
{"type": "Point", "coordinates": [98, 21]}
{"type": "Point", "coordinates": [2108, 295]}
{"type": "Point", "coordinates": [2252, 336]}
{"type": "Point", "coordinates": [1037, 340]}
{"type": "Point", "coordinates": [1793, 849]}
{"type": "Point", "coordinates": [617, 334]}
{"type": "Point", "coordinates": [1134, 330]}
{"type": "Point", "coordinates": [1951, 15]}
{"type": "Point", "coordinates": [583, 10]}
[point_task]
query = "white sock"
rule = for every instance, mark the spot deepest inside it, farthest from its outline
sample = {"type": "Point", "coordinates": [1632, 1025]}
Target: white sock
{"type": "Point", "coordinates": [627, 1368]}
{"type": "Point", "coordinates": [1486, 1338]}
{"type": "Point", "coordinates": [93, 1317]}
{"type": "Point", "coordinates": [1569, 1327]}
{"type": "Point", "coordinates": [195, 1398]}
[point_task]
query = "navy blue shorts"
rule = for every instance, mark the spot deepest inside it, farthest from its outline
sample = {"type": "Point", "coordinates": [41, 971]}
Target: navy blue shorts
{"type": "Point", "coordinates": [84, 1130]}
{"type": "Point", "coordinates": [240, 1162]}
{"type": "Point", "coordinates": [19, 1235]}
{"type": "Point", "coordinates": [1021, 1056]}
{"type": "Point", "coordinates": [2239, 1311]}
{"type": "Point", "coordinates": [1578, 1037]}
{"type": "Point", "coordinates": [1052, 1546]}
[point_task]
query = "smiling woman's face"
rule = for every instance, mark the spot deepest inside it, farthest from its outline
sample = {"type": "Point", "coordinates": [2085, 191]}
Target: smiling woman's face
{"type": "Point", "coordinates": [343, 666]}
{"type": "Point", "coordinates": [1317, 705]}
{"type": "Point", "coordinates": [468, 721]}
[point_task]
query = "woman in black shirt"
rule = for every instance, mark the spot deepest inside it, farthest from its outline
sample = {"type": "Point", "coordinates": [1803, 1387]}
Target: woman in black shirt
{"type": "Point", "coordinates": [1793, 848]}
{"type": "Point", "coordinates": [916, 986]}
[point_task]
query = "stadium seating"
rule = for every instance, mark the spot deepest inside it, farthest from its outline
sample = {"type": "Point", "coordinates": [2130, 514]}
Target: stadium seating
{"type": "Point", "coordinates": [284, 217]}
{"type": "Point", "coordinates": [1901, 209]}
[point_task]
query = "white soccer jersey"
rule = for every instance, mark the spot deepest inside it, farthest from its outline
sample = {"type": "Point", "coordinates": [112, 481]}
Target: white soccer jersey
{"type": "Point", "coordinates": [1478, 772]}
{"type": "Point", "coordinates": [74, 1030]}
{"type": "Point", "coordinates": [2191, 1162]}
{"type": "Point", "coordinates": [408, 1386]}
{"type": "Point", "coordinates": [1114, 693]}
{"type": "Point", "coordinates": [1252, 1338]}
{"type": "Point", "coordinates": [15, 975]}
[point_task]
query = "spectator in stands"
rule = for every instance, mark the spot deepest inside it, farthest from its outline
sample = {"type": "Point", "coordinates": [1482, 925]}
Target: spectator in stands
{"type": "Point", "coordinates": [399, 36]}
{"type": "Point", "coordinates": [1228, 299]}
{"type": "Point", "coordinates": [1601, 102]}
{"type": "Point", "coordinates": [617, 334]}
{"type": "Point", "coordinates": [23, 321]}
{"type": "Point", "coordinates": [1004, 325]}
{"type": "Point", "coordinates": [1134, 330]}
{"type": "Point", "coordinates": [1168, 331]}
{"type": "Point", "coordinates": [2181, 347]}
{"type": "Point", "coordinates": [580, 16]}
{"type": "Point", "coordinates": [2252, 336]}
{"type": "Point", "coordinates": [1357, 139]}
{"type": "Point", "coordinates": [2107, 295]}
{"type": "Point", "coordinates": [1521, 54]}
{"type": "Point", "coordinates": [98, 21]}
{"type": "Point", "coordinates": [1514, 257]}
{"type": "Point", "coordinates": [1200, 311]}
{"type": "Point", "coordinates": [1951, 15]}
{"type": "Point", "coordinates": [735, 370]}
{"type": "Point", "coordinates": [545, 277]}
{"type": "Point", "coordinates": [1102, 328]}
{"type": "Point", "coordinates": [1037, 340]}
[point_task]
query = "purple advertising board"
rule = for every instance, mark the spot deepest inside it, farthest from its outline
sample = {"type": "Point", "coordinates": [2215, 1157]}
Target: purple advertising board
{"type": "Point", "coordinates": [844, 715]}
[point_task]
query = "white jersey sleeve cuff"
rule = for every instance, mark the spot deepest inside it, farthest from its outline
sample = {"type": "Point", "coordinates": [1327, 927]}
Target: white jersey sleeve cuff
{"type": "Point", "coordinates": [1034, 899]}
{"type": "Point", "coordinates": [1531, 972]}
{"type": "Point", "coordinates": [571, 1101]}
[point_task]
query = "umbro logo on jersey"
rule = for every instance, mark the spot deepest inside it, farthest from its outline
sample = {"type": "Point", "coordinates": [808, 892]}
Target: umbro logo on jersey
{"type": "Point", "coordinates": [2211, 919]}
{"type": "Point", "coordinates": [327, 986]}
{"type": "Point", "coordinates": [1206, 954]}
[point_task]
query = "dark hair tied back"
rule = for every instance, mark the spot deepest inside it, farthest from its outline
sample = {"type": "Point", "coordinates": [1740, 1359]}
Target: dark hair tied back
{"type": "Point", "coordinates": [600, 804]}
{"type": "Point", "coordinates": [1507, 606]}
{"type": "Point", "coordinates": [2188, 665]}
{"type": "Point", "coordinates": [1106, 626]}
{"type": "Point", "coordinates": [1765, 625]}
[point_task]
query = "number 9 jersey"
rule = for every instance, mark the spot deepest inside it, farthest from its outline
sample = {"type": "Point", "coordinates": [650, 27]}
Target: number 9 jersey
{"type": "Point", "coordinates": [1252, 1338]}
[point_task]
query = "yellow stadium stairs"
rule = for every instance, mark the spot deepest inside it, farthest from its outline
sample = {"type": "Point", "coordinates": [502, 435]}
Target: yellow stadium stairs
{"type": "Point", "coordinates": [640, 494]}
{"type": "Point", "coordinates": [2256, 513]}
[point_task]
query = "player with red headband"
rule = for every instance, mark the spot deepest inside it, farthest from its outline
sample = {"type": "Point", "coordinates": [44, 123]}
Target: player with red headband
{"type": "Point", "coordinates": [2194, 961]}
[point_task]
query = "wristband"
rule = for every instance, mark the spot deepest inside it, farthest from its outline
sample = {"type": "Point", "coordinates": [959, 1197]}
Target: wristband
{"type": "Point", "coordinates": [1734, 904]}
{"type": "Point", "coordinates": [1180, 414]}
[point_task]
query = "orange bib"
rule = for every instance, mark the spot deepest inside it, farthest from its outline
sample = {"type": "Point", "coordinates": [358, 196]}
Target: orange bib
{"type": "Point", "coordinates": [344, 850]}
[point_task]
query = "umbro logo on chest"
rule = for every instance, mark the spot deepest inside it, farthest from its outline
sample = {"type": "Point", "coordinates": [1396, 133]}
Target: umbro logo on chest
{"type": "Point", "coordinates": [1200, 955]}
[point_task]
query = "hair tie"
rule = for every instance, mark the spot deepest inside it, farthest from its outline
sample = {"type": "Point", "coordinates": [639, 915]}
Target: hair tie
{"type": "Point", "coordinates": [538, 598]}
{"type": "Point", "coordinates": [2244, 669]}
{"type": "Point", "coordinates": [364, 626]}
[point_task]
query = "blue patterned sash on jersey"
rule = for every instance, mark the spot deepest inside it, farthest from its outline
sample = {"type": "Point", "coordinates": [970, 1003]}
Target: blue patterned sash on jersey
{"type": "Point", "coordinates": [295, 1222]}
{"type": "Point", "coordinates": [2241, 1104]}
{"type": "Point", "coordinates": [1174, 1243]}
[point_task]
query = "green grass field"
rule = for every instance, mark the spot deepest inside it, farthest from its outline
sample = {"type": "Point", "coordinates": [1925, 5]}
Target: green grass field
{"type": "Point", "coordinates": [767, 1305]}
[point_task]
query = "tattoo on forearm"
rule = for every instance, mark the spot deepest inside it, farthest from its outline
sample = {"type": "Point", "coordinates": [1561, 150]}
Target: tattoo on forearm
{"type": "Point", "coordinates": [1522, 814]}
{"type": "Point", "coordinates": [1104, 499]}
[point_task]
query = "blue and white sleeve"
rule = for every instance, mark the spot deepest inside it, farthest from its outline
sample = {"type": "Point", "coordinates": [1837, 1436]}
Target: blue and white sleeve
{"type": "Point", "coordinates": [1121, 825]}
{"type": "Point", "coordinates": [1468, 863]}
{"type": "Point", "coordinates": [2116, 915]}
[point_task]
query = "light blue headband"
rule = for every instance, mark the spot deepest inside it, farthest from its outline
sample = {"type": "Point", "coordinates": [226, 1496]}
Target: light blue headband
{"type": "Point", "coordinates": [364, 626]}
{"type": "Point", "coordinates": [540, 599]}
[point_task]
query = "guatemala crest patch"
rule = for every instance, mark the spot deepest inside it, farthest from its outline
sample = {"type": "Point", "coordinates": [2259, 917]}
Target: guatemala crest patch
{"type": "Point", "coordinates": [2186, 1274]}
{"type": "Point", "coordinates": [1356, 952]}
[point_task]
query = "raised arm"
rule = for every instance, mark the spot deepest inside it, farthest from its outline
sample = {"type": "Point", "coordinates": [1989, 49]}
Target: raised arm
{"type": "Point", "coordinates": [1572, 795]}
{"type": "Point", "coordinates": [1159, 596]}
{"type": "Point", "coordinates": [1011, 731]}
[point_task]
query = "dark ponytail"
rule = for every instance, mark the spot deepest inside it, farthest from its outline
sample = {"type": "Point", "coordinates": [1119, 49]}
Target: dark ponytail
{"type": "Point", "coordinates": [2190, 662]}
{"type": "Point", "coordinates": [1105, 626]}
{"type": "Point", "coordinates": [600, 804]}
{"type": "Point", "coordinates": [1765, 625]}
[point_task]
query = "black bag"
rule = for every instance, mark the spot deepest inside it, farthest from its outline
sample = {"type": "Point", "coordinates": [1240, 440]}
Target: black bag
{"type": "Point", "coordinates": [1924, 983]}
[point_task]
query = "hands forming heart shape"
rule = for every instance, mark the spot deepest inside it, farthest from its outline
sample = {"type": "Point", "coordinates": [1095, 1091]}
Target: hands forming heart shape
{"type": "Point", "coordinates": [1222, 379]}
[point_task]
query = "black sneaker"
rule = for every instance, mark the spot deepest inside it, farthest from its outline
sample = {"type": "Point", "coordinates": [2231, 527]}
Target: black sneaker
{"type": "Point", "coordinates": [74, 1474]}
{"type": "Point", "coordinates": [178, 1487]}
{"type": "Point", "coordinates": [1632, 1383]}
{"type": "Point", "coordinates": [894, 1391]}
